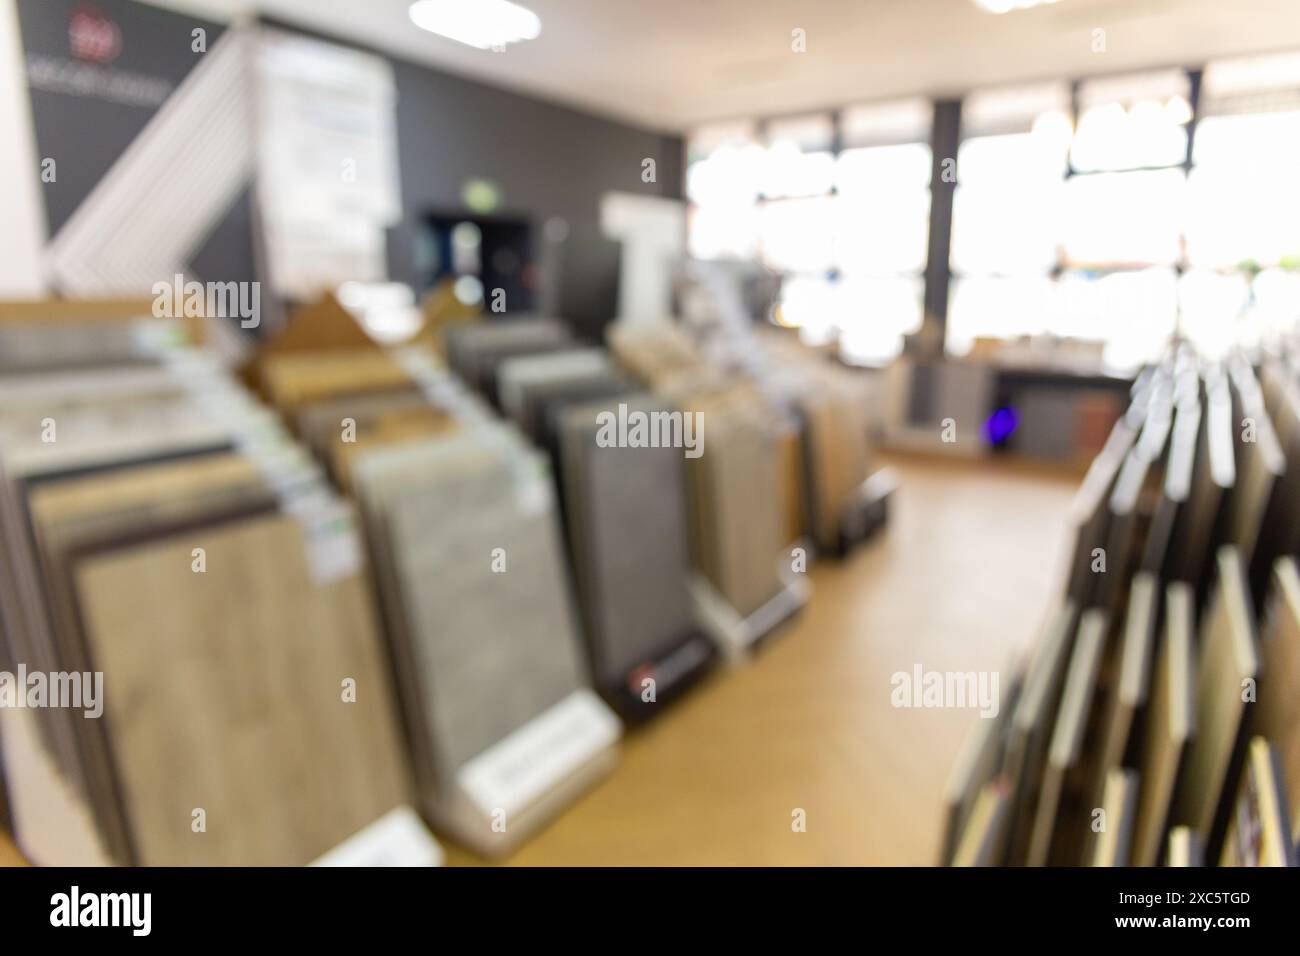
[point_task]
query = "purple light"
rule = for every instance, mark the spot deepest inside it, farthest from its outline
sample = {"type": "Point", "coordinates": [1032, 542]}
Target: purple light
{"type": "Point", "coordinates": [1001, 424]}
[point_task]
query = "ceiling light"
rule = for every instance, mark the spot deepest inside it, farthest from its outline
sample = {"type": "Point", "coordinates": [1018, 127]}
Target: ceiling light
{"type": "Point", "coordinates": [486, 24]}
{"type": "Point", "coordinates": [1006, 6]}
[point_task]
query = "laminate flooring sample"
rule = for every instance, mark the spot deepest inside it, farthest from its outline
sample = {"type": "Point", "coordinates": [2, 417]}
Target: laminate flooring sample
{"type": "Point", "coordinates": [1118, 802]}
{"type": "Point", "coordinates": [1171, 723]}
{"type": "Point", "coordinates": [1031, 727]}
{"type": "Point", "coordinates": [1259, 833]}
{"type": "Point", "coordinates": [1089, 515]}
{"type": "Point", "coordinates": [736, 508]}
{"type": "Point", "coordinates": [44, 346]}
{"type": "Point", "coordinates": [488, 649]}
{"type": "Point", "coordinates": [225, 691]}
{"type": "Point", "coordinates": [1129, 695]}
{"type": "Point", "coordinates": [81, 513]}
{"type": "Point", "coordinates": [1278, 717]}
{"type": "Point", "coordinates": [628, 517]}
{"type": "Point", "coordinates": [474, 351]}
{"type": "Point", "coordinates": [1060, 817]}
{"type": "Point", "coordinates": [517, 375]}
{"type": "Point", "coordinates": [320, 423]}
{"type": "Point", "coordinates": [81, 449]}
{"type": "Point", "coordinates": [538, 398]}
{"type": "Point", "coordinates": [295, 379]}
{"type": "Point", "coordinates": [1171, 512]}
{"type": "Point", "coordinates": [1228, 658]}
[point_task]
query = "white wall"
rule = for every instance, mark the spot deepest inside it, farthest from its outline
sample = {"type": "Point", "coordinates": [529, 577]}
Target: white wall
{"type": "Point", "coordinates": [22, 210]}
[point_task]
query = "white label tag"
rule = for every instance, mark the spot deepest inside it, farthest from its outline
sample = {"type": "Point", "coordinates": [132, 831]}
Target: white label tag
{"type": "Point", "coordinates": [517, 770]}
{"type": "Point", "coordinates": [398, 838]}
{"type": "Point", "coordinates": [333, 546]}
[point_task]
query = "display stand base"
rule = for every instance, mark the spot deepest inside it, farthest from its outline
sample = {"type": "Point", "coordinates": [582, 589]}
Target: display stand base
{"type": "Point", "coordinates": [868, 510]}
{"type": "Point", "coordinates": [505, 794]}
{"type": "Point", "coordinates": [736, 636]}
{"type": "Point", "coordinates": [672, 672]}
{"type": "Point", "coordinates": [398, 838]}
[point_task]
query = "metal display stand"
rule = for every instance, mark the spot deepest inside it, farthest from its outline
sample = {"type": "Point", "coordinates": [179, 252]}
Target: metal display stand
{"type": "Point", "coordinates": [736, 636]}
{"type": "Point", "coordinates": [505, 794]}
{"type": "Point", "coordinates": [868, 510]}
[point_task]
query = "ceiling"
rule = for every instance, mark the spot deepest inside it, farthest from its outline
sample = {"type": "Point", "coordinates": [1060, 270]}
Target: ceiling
{"type": "Point", "coordinates": [670, 64]}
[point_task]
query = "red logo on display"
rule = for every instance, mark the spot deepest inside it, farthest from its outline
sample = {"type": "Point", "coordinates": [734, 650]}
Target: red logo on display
{"type": "Point", "coordinates": [93, 36]}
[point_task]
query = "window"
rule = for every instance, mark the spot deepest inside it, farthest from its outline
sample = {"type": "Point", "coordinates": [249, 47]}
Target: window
{"type": "Point", "coordinates": [1007, 213]}
{"type": "Point", "coordinates": [847, 230]}
{"type": "Point", "coordinates": [724, 175]}
{"type": "Point", "coordinates": [1098, 212]}
{"type": "Point", "coordinates": [1242, 242]}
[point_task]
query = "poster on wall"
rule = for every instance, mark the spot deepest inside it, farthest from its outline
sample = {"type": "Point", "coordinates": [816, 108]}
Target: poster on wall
{"type": "Point", "coordinates": [327, 171]}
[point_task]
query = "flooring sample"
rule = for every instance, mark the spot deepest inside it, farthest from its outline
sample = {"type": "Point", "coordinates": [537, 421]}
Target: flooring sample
{"type": "Point", "coordinates": [1171, 722]}
{"type": "Point", "coordinates": [292, 380]}
{"type": "Point", "coordinates": [488, 635]}
{"type": "Point", "coordinates": [551, 408]}
{"type": "Point", "coordinates": [1129, 695]}
{"type": "Point", "coordinates": [1059, 819]}
{"type": "Point", "coordinates": [151, 432]}
{"type": "Point", "coordinates": [320, 423]}
{"type": "Point", "coordinates": [628, 520]}
{"type": "Point", "coordinates": [1088, 514]}
{"type": "Point", "coordinates": [475, 351]}
{"type": "Point", "coordinates": [653, 352]}
{"type": "Point", "coordinates": [385, 429]}
{"type": "Point", "coordinates": [78, 514]}
{"type": "Point", "coordinates": [42, 347]}
{"type": "Point", "coordinates": [251, 724]}
{"type": "Point", "coordinates": [1185, 848]}
{"type": "Point", "coordinates": [738, 536]}
{"type": "Point", "coordinates": [1214, 475]}
{"type": "Point", "coordinates": [1157, 556]}
{"type": "Point", "coordinates": [835, 437]}
{"type": "Point", "coordinates": [1277, 717]}
{"type": "Point", "coordinates": [1228, 668]}
{"type": "Point", "coordinates": [977, 765]}
{"type": "Point", "coordinates": [1031, 726]}
{"type": "Point", "coordinates": [1118, 802]}
{"type": "Point", "coordinates": [1259, 833]}
{"type": "Point", "coordinates": [981, 838]}
{"type": "Point", "coordinates": [517, 375]}
{"type": "Point", "coordinates": [1264, 511]}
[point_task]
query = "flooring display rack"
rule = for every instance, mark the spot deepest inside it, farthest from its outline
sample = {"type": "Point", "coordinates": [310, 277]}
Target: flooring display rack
{"type": "Point", "coordinates": [1162, 690]}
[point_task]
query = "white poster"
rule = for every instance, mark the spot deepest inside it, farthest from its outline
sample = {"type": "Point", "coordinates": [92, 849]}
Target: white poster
{"type": "Point", "coordinates": [328, 182]}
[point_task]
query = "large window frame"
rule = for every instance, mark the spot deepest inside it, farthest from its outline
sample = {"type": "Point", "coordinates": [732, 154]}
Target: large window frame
{"type": "Point", "coordinates": [945, 140]}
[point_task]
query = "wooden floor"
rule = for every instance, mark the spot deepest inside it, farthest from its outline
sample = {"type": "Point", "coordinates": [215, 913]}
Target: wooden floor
{"type": "Point", "coordinates": [960, 579]}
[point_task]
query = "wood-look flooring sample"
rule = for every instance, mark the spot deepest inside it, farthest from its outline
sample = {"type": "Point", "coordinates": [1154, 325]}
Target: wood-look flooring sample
{"type": "Point", "coordinates": [224, 691]}
{"type": "Point", "coordinates": [1171, 721]}
{"type": "Point", "coordinates": [1278, 717]}
{"type": "Point", "coordinates": [1228, 664]}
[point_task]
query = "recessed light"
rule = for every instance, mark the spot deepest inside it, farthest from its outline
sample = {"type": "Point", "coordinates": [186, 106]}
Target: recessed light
{"type": "Point", "coordinates": [1006, 6]}
{"type": "Point", "coordinates": [486, 24]}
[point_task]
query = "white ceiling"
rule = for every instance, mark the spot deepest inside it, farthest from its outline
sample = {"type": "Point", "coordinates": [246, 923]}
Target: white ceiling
{"type": "Point", "coordinates": [671, 64]}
